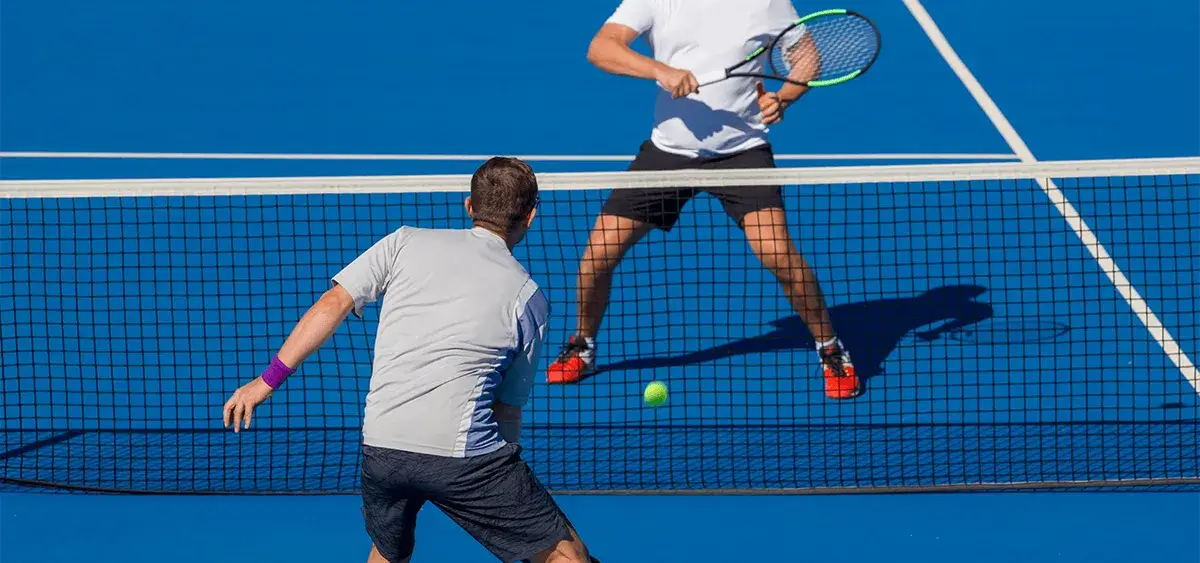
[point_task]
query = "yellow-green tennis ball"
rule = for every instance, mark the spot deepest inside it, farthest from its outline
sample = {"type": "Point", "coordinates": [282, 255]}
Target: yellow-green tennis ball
{"type": "Point", "coordinates": [656, 394]}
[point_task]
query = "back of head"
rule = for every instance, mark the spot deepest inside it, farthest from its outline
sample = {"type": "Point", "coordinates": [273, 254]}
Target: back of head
{"type": "Point", "coordinates": [504, 192]}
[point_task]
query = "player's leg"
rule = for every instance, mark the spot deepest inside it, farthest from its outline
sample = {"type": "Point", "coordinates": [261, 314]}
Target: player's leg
{"type": "Point", "coordinates": [376, 557]}
{"type": "Point", "coordinates": [627, 217]}
{"type": "Point", "coordinates": [611, 237]}
{"type": "Point", "coordinates": [498, 500]}
{"type": "Point", "coordinates": [390, 505]}
{"type": "Point", "coordinates": [767, 233]}
{"type": "Point", "coordinates": [567, 551]}
{"type": "Point", "coordinates": [758, 210]}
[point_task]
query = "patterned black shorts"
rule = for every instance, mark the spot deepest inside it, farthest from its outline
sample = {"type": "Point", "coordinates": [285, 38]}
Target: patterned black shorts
{"type": "Point", "coordinates": [495, 497]}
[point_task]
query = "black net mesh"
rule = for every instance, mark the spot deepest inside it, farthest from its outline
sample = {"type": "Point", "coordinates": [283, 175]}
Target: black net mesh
{"type": "Point", "coordinates": [995, 348]}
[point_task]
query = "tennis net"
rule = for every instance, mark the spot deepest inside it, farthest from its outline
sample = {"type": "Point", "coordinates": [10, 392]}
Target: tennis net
{"type": "Point", "coordinates": [1015, 326]}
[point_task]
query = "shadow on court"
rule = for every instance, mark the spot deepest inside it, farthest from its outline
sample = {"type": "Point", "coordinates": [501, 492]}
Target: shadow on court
{"type": "Point", "coordinates": [871, 330]}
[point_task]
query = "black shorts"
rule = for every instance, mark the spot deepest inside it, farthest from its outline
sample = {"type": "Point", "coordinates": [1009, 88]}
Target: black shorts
{"type": "Point", "coordinates": [494, 497]}
{"type": "Point", "coordinates": [662, 206]}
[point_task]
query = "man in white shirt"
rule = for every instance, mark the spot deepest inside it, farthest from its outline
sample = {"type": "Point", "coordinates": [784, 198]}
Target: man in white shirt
{"type": "Point", "coordinates": [720, 127]}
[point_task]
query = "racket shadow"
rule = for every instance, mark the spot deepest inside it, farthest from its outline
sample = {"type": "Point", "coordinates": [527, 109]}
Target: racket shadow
{"type": "Point", "coordinates": [715, 120]}
{"type": "Point", "coordinates": [871, 330]}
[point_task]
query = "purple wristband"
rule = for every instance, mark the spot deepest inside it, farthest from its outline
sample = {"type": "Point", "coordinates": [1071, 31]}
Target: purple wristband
{"type": "Point", "coordinates": [275, 373]}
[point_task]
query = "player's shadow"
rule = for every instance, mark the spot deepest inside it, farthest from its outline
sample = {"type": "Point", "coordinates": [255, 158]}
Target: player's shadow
{"type": "Point", "coordinates": [871, 330]}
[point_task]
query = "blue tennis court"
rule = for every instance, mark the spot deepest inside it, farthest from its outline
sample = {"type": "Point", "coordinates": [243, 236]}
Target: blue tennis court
{"type": "Point", "coordinates": [954, 295]}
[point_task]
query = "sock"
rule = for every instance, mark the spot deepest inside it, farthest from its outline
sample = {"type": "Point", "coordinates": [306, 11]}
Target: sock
{"type": "Point", "coordinates": [589, 355]}
{"type": "Point", "coordinates": [835, 340]}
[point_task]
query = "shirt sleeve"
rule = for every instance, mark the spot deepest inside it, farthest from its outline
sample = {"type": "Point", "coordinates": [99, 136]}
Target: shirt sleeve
{"type": "Point", "coordinates": [637, 15]}
{"type": "Point", "coordinates": [781, 14]}
{"type": "Point", "coordinates": [367, 276]}
{"type": "Point", "coordinates": [532, 321]}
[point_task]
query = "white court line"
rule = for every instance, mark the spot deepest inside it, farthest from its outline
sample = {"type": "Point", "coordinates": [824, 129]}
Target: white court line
{"type": "Point", "coordinates": [474, 157]}
{"type": "Point", "coordinates": [1142, 309]}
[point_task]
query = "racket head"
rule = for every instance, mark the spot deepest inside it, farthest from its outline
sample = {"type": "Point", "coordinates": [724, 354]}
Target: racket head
{"type": "Point", "coordinates": [825, 48]}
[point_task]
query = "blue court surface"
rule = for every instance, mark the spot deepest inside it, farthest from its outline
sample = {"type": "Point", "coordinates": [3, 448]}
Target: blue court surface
{"type": "Point", "coordinates": [1073, 79]}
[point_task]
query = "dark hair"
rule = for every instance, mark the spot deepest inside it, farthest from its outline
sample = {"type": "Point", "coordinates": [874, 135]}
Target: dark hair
{"type": "Point", "coordinates": [503, 193]}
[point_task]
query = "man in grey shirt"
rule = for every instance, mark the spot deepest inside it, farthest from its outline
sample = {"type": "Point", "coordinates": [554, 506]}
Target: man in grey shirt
{"type": "Point", "coordinates": [460, 334]}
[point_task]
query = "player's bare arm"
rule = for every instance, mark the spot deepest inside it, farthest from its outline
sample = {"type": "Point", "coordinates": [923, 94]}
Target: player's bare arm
{"type": "Point", "coordinates": [313, 329]}
{"type": "Point", "coordinates": [806, 66]}
{"type": "Point", "coordinates": [610, 51]}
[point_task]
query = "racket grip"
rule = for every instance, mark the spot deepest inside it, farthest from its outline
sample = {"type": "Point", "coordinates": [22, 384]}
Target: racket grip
{"type": "Point", "coordinates": [706, 78]}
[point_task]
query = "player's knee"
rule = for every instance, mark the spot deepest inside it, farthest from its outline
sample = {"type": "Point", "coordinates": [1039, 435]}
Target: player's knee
{"type": "Point", "coordinates": [559, 557]}
{"type": "Point", "coordinates": [610, 239]}
{"type": "Point", "coordinates": [775, 256]}
{"type": "Point", "coordinates": [598, 261]}
{"type": "Point", "coordinates": [567, 551]}
{"type": "Point", "coordinates": [376, 557]}
{"type": "Point", "coordinates": [569, 559]}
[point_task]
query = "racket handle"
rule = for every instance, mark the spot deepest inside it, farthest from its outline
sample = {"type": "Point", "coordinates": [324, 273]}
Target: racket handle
{"type": "Point", "coordinates": [706, 78]}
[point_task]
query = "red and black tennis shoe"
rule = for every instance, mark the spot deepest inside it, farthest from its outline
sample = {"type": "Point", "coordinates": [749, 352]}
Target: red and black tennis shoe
{"type": "Point", "coordinates": [840, 380]}
{"type": "Point", "coordinates": [576, 361]}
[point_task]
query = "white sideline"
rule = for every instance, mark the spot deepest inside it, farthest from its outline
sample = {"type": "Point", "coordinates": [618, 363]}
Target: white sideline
{"type": "Point", "coordinates": [1142, 309]}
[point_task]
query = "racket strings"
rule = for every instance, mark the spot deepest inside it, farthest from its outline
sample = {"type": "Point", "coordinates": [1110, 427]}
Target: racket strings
{"type": "Point", "coordinates": [824, 49]}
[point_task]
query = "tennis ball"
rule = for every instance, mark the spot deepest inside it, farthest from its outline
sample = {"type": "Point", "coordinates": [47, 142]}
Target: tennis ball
{"type": "Point", "coordinates": [655, 394]}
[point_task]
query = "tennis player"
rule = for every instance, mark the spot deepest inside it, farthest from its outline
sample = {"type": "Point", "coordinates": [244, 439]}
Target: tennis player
{"type": "Point", "coordinates": [722, 126]}
{"type": "Point", "coordinates": [460, 333]}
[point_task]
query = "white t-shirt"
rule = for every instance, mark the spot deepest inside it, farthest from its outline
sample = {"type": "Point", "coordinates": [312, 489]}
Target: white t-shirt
{"type": "Point", "coordinates": [701, 36]}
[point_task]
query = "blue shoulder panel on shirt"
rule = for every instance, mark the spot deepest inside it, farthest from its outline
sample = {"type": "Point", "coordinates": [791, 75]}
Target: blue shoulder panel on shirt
{"type": "Point", "coordinates": [532, 318]}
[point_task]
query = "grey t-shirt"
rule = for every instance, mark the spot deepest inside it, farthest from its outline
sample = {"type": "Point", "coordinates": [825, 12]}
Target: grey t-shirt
{"type": "Point", "coordinates": [461, 326]}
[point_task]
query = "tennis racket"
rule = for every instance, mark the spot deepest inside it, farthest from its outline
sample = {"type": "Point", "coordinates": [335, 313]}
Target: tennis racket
{"type": "Point", "coordinates": [821, 49]}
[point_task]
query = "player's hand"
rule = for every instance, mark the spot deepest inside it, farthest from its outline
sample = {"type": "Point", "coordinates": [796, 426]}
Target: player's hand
{"type": "Point", "coordinates": [240, 407]}
{"type": "Point", "coordinates": [770, 105]}
{"type": "Point", "coordinates": [678, 82]}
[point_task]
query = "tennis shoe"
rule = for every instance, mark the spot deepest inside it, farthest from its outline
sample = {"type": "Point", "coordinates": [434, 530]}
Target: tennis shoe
{"type": "Point", "coordinates": [576, 361]}
{"type": "Point", "coordinates": [840, 380]}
